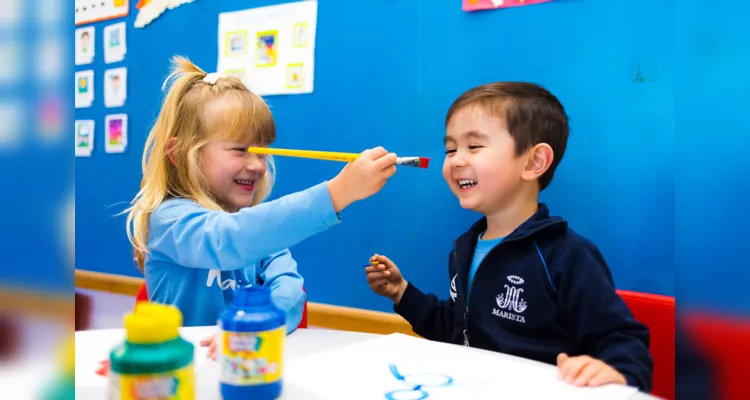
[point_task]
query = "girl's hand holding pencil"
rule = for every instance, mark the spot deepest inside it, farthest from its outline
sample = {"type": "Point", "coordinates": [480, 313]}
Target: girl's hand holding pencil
{"type": "Point", "coordinates": [362, 178]}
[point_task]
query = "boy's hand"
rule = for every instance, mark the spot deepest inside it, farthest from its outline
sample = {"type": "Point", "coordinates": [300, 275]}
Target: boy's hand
{"type": "Point", "coordinates": [211, 343]}
{"type": "Point", "coordinates": [587, 371]}
{"type": "Point", "coordinates": [362, 177]}
{"type": "Point", "coordinates": [385, 279]}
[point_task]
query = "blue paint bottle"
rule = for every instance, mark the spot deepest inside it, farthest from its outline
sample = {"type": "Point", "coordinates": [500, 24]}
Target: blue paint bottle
{"type": "Point", "coordinates": [251, 346]}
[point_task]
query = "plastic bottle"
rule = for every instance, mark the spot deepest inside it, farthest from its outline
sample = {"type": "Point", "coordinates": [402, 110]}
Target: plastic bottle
{"type": "Point", "coordinates": [64, 386]}
{"type": "Point", "coordinates": [154, 362]}
{"type": "Point", "coordinates": [251, 346]}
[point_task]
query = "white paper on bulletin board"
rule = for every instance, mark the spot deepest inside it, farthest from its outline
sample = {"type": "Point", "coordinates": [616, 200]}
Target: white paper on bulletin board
{"type": "Point", "coordinates": [271, 49]}
{"type": "Point", "coordinates": [88, 11]}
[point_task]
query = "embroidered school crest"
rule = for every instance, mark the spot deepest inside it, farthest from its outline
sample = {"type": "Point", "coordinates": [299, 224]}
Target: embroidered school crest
{"type": "Point", "coordinates": [511, 304]}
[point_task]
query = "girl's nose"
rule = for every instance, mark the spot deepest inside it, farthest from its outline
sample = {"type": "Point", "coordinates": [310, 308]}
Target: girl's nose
{"type": "Point", "coordinates": [255, 162]}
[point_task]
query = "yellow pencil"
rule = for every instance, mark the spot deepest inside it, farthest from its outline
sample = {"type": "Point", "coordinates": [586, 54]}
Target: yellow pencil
{"type": "Point", "coordinates": [419, 162]}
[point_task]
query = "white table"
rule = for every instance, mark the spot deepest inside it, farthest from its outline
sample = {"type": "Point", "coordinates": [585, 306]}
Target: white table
{"type": "Point", "coordinates": [94, 346]}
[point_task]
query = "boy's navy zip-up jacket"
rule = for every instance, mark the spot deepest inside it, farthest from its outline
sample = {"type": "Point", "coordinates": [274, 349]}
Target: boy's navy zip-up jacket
{"type": "Point", "coordinates": [544, 290]}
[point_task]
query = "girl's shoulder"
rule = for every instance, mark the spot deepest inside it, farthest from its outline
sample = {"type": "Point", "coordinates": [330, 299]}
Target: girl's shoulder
{"type": "Point", "coordinates": [173, 209]}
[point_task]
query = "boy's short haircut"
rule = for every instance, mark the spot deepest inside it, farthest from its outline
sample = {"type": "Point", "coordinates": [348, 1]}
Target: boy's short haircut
{"type": "Point", "coordinates": [532, 115]}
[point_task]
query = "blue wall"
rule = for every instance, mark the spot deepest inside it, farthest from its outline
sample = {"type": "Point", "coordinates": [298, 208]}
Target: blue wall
{"type": "Point", "coordinates": [386, 73]}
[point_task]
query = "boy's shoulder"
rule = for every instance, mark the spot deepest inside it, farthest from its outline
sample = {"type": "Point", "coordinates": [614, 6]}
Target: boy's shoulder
{"type": "Point", "coordinates": [569, 253]}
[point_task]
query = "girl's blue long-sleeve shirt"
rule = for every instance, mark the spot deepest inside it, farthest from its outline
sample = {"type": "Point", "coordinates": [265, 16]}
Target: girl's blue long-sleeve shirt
{"type": "Point", "coordinates": [197, 257]}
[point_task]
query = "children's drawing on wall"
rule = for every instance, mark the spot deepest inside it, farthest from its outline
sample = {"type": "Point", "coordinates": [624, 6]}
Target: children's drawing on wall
{"type": "Point", "coordinates": [115, 46]}
{"type": "Point", "coordinates": [115, 87]}
{"type": "Point", "coordinates": [50, 121]}
{"type": "Point", "coordinates": [84, 131]}
{"type": "Point", "coordinates": [116, 133]}
{"type": "Point", "coordinates": [478, 5]}
{"type": "Point", "coordinates": [266, 48]}
{"type": "Point", "coordinates": [12, 117]}
{"type": "Point", "coordinates": [294, 77]}
{"type": "Point", "coordinates": [88, 11]}
{"type": "Point", "coordinates": [12, 63]}
{"type": "Point", "coordinates": [85, 45]}
{"type": "Point", "coordinates": [278, 56]}
{"type": "Point", "coordinates": [300, 34]}
{"type": "Point", "coordinates": [84, 88]}
{"type": "Point", "coordinates": [236, 43]}
{"type": "Point", "coordinates": [51, 59]}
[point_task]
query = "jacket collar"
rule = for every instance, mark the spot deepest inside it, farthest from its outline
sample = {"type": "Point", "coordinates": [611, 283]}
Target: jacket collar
{"type": "Point", "coordinates": [539, 222]}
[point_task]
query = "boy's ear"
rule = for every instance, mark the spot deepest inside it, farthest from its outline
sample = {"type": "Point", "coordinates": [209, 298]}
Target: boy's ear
{"type": "Point", "coordinates": [539, 159]}
{"type": "Point", "coordinates": [169, 148]}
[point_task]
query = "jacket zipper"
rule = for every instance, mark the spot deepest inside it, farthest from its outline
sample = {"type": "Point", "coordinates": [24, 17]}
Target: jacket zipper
{"type": "Point", "coordinates": [460, 290]}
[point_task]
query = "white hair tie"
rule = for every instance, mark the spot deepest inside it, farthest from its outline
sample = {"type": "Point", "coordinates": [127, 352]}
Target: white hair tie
{"type": "Point", "coordinates": [212, 77]}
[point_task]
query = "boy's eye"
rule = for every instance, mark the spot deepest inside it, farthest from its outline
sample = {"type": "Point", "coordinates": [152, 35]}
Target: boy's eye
{"type": "Point", "coordinates": [475, 147]}
{"type": "Point", "coordinates": [448, 151]}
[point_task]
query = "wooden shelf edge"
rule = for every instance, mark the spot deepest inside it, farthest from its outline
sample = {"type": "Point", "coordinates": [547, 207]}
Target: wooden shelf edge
{"type": "Point", "coordinates": [110, 283]}
{"type": "Point", "coordinates": [318, 314]}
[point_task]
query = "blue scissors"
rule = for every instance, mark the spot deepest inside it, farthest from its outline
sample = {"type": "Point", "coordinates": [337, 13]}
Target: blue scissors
{"type": "Point", "coordinates": [435, 380]}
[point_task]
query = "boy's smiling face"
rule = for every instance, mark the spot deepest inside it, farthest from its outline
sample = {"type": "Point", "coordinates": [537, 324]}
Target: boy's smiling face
{"type": "Point", "coordinates": [481, 166]}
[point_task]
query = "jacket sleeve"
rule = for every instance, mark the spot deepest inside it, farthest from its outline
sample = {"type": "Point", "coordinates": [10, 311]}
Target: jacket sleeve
{"type": "Point", "coordinates": [185, 233]}
{"type": "Point", "coordinates": [429, 317]}
{"type": "Point", "coordinates": [279, 273]}
{"type": "Point", "coordinates": [598, 319]}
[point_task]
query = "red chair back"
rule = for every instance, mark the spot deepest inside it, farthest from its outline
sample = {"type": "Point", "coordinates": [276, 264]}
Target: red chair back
{"type": "Point", "coordinates": [725, 343]}
{"type": "Point", "coordinates": [142, 295]}
{"type": "Point", "coordinates": [658, 314]}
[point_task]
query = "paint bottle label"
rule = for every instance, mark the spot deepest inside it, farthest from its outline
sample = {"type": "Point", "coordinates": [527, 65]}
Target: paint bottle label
{"type": "Point", "coordinates": [175, 385]}
{"type": "Point", "coordinates": [251, 358]}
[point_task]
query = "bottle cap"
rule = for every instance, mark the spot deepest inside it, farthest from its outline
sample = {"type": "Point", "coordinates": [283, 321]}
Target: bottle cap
{"type": "Point", "coordinates": [254, 295]}
{"type": "Point", "coordinates": [152, 323]}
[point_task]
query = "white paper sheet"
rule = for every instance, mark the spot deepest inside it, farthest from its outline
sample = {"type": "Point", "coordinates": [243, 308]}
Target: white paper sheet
{"type": "Point", "coordinates": [115, 46]}
{"type": "Point", "coordinates": [84, 88]}
{"type": "Point", "coordinates": [115, 133]}
{"type": "Point", "coordinates": [361, 371]}
{"type": "Point", "coordinates": [84, 132]}
{"type": "Point", "coordinates": [271, 49]}
{"type": "Point", "coordinates": [115, 87]}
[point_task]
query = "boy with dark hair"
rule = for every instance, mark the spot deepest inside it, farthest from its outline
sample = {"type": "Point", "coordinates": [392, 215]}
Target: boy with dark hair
{"type": "Point", "coordinates": [521, 282]}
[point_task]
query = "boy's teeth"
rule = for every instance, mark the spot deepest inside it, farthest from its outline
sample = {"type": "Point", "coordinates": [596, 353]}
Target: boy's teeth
{"type": "Point", "coordinates": [466, 183]}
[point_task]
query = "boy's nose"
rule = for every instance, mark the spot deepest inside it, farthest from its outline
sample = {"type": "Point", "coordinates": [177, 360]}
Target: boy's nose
{"type": "Point", "coordinates": [458, 160]}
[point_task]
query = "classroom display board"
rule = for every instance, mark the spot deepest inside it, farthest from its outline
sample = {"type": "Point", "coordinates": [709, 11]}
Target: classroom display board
{"type": "Point", "coordinates": [385, 73]}
{"type": "Point", "coordinates": [271, 49]}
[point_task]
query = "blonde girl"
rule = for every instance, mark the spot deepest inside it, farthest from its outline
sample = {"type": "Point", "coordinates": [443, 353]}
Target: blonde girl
{"type": "Point", "coordinates": [199, 226]}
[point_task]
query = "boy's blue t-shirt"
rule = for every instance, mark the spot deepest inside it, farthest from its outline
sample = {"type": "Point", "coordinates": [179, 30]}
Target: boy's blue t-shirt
{"type": "Point", "coordinates": [197, 257]}
{"type": "Point", "coordinates": [480, 251]}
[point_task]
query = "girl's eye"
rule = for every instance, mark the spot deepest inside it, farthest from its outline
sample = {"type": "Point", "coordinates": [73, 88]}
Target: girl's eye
{"type": "Point", "coordinates": [240, 149]}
